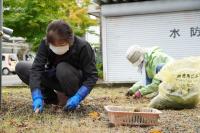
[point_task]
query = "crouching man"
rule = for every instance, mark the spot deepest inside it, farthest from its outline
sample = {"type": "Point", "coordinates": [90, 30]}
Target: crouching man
{"type": "Point", "coordinates": [149, 62]}
{"type": "Point", "coordinates": [64, 70]}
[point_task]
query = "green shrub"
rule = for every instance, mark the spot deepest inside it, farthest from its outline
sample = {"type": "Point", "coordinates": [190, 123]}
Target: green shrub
{"type": "Point", "coordinates": [99, 67]}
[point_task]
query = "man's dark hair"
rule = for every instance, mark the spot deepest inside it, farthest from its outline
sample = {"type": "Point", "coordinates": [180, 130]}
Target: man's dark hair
{"type": "Point", "coordinates": [59, 30]}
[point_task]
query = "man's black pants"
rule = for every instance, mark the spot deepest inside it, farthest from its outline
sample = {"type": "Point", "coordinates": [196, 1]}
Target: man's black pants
{"type": "Point", "coordinates": [64, 78]}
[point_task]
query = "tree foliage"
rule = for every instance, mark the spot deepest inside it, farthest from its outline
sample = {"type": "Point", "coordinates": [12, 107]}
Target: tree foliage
{"type": "Point", "coordinates": [29, 18]}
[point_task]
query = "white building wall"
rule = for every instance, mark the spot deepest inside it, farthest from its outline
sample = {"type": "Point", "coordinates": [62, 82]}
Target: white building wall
{"type": "Point", "coordinates": [147, 30]}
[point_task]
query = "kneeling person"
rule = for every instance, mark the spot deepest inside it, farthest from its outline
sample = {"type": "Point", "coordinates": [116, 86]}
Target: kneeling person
{"type": "Point", "coordinates": [64, 67]}
{"type": "Point", "coordinates": [149, 62]}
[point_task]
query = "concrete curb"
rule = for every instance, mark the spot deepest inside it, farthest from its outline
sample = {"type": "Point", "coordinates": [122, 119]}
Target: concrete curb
{"type": "Point", "coordinates": [100, 83]}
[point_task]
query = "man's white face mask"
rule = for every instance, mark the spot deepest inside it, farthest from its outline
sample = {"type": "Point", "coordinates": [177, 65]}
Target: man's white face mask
{"type": "Point", "coordinates": [60, 50]}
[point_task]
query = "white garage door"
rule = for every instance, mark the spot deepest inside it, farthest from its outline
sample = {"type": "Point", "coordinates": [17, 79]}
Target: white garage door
{"type": "Point", "coordinates": [177, 33]}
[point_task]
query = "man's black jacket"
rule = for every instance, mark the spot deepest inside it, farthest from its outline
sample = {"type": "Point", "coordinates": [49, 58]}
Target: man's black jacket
{"type": "Point", "coordinates": [80, 55]}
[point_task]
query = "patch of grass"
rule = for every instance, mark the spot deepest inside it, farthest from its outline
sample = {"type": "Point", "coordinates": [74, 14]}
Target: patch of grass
{"type": "Point", "coordinates": [16, 115]}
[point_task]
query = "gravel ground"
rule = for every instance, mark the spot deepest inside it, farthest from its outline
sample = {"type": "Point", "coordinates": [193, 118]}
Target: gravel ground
{"type": "Point", "coordinates": [16, 115]}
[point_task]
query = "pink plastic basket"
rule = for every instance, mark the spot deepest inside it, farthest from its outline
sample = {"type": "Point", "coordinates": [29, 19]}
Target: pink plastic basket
{"type": "Point", "coordinates": [119, 115]}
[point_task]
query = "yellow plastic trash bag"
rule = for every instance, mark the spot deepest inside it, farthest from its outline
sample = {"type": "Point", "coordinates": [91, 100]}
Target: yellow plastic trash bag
{"type": "Point", "coordinates": [180, 87]}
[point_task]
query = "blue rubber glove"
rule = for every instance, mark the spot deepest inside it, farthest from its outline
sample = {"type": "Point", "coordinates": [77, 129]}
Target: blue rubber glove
{"type": "Point", "coordinates": [37, 100]}
{"type": "Point", "coordinates": [74, 101]}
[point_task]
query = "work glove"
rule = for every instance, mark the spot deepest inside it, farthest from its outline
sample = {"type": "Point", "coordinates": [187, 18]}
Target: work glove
{"type": "Point", "coordinates": [133, 89]}
{"type": "Point", "coordinates": [137, 94]}
{"type": "Point", "coordinates": [129, 93]}
{"type": "Point", "coordinates": [37, 100]}
{"type": "Point", "coordinates": [74, 101]}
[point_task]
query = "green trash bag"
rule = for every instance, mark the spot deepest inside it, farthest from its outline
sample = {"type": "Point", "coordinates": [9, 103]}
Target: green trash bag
{"type": "Point", "coordinates": [180, 87]}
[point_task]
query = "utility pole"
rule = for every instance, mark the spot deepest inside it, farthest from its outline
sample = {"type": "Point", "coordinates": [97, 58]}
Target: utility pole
{"type": "Point", "coordinates": [4, 33]}
{"type": "Point", "coordinates": [1, 35]}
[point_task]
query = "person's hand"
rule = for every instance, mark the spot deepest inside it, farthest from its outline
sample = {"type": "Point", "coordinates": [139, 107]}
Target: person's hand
{"type": "Point", "coordinates": [73, 102]}
{"type": "Point", "coordinates": [137, 94]}
{"type": "Point", "coordinates": [134, 88]}
{"type": "Point", "coordinates": [37, 100]}
{"type": "Point", "coordinates": [38, 105]}
{"type": "Point", "coordinates": [129, 93]}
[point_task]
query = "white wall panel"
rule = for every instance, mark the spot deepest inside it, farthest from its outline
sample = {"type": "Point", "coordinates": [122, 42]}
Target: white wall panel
{"type": "Point", "coordinates": [148, 30]}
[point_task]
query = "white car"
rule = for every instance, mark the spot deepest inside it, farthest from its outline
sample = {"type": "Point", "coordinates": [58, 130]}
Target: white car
{"type": "Point", "coordinates": [9, 62]}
